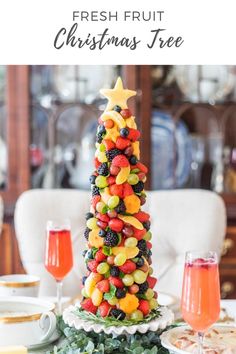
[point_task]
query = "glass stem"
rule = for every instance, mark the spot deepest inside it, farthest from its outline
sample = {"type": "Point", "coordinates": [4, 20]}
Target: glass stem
{"type": "Point", "coordinates": [59, 297]}
{"type": "Point", "coordinates": [200, 342]}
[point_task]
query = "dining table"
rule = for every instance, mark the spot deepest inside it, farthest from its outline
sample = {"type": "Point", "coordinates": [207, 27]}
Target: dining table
{"type": "Point", "coordinates": [227, 316]}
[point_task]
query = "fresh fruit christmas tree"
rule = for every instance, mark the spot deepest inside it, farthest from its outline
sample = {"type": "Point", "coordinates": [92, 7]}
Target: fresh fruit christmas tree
{"type": "Point", "coordinates": [119, 282]}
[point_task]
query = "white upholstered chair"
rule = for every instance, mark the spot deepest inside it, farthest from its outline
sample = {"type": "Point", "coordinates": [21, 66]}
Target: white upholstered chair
{"type": "Point", "coordinates": [181, 220]}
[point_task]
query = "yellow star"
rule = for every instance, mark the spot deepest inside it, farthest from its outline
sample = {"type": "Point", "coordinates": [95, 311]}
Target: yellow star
{"type": "Point", "coordinates": [117, 96]}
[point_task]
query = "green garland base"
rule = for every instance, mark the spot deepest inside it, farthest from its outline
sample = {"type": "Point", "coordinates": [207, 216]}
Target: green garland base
{"type": "Point", "coordinates": [79, 341]}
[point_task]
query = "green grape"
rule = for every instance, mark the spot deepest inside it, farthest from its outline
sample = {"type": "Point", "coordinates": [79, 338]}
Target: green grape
{"type": "Point", "coordinates": [83, 292]}
{"type": "Point", "coordinates": [103, 268]}
{"type": "Point", "coordinates": [131, 242]}
{"type": "Point", "coordinates": [139, 276]}
{"type": "Point", "coordinates": [100, 206]}
{"type": "Point", "coordinates": [133, 179]}
{"type": "Point", "coordinates": [136, 315]}
{"type": "Point", "coordinates": [153, 304]}
{"type": "Point", "coordinates": [148, 236]}
{"type": "Point", "coordinates": [101, 182]}
{"type": "Point", "coordinates": [102, 147]}
{"type": "Point", "coordinates": [92, 223]}
{"type": "Point", "coordinates": [149, 294]}
{"type": "Point", "coordinates": [113, 301]}
{"type": "Point", "coordinates": [120, 259]}
{"type": "Point", "coordinates": [150, 271]}
{"type": "Point", "coordinates": [128, 280]}
{"type": "Point", "coordinates": [113, 201]}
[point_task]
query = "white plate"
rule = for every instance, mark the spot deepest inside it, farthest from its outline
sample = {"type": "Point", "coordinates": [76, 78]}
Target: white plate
{"type": "Point", "coordinates": [165, 319]}
{"type": "Point", "coordinates": [40, 345]}
{"type": "Point", "coordinates": [169, 336]}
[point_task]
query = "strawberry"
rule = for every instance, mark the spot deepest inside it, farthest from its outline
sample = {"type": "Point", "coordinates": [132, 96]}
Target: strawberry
{"type": "Point", "coordinates": [128, 267]}
{"type": "Point", "coordinates": [138, 234]}
{"type": "Point", "coordinates": [111, 180]}
{"type": "Point", "coordinates": [120, 161]}
{"type": "Point", "coordinates": [117, 282]}
{"type": "Point", "coordinates": [104, 309]}
{"type": "Point", "coordinates": [142, 216]}
{"type": "Point", "coordinates": [122, 143]}
{"type": "Point", "coordinates": [144, 307]}
{"type": "Point", "coordinates": [114, 170]}
{"type": "Point", "coordinates": [149, 245]}
{"type": "Point", "coordinates": [108, 144]}
{"type": "Point", "coordinates": [103, 286]}
{"type": "Point", "coordinates": [116, 189]}
{"type": "Point", "coordinates": [151, 282]}
{"type": "Point", "coordinates": [127, 190]}
{"type": "Point", "coordinates": [102, 217]}
{"type": "Point", "coordinates": [142, 167]}
{"type": "Point", "coordinates": [134, 134]}
{"type": "Point", "coordinates": [116, 224]}
{"type": "Point", "coordinates": [125, 113]}
{"type": "Point", "coordinates": [95, 200]}
{"type": "Point", "coordinates": [92, 265]}
{"type": "Point", "coordinates": [88, 305]}
{"type": "Point", "coordinates": [96, 163]}
{"type": "Point", "coordinates": [100, 256]}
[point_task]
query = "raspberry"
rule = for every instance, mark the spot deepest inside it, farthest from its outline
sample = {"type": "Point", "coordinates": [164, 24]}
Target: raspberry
{"type": "Point", "coordinates": [114, 271]}
{"type": "Point", "coordinates": [120, 161]}
{"type": "Point", "coordinates": [109, 144]}
{"type": "Point", "coordinates": [111, 154]}
{"type": "Point", "coordinates": [103, 169]}
{"type": "Point", "coordinates": [134, 134]}
{"type": "Point", "coordinates": [120, 293]}
{"type": "Point", "coordinates": [118, 314]}
{"type": "Point", "coordinates": [95, 191]}
{"type": "Point", "coordinates": [122, 143]}
{"type": "Point", "coordinates": [86, 233]}
{"type": "Point", "coordinates": [143, 287]}
{"type": "Point", "coordinates": [137, 188]}
{"type": "Point", "coordinates": [111, 239]}
{"type": "Point", "coordinates": [92, 265]}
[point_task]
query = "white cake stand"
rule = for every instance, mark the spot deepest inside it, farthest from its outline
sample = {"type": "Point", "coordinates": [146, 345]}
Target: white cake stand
{"type": "Point", "coordinates": [165, 319]}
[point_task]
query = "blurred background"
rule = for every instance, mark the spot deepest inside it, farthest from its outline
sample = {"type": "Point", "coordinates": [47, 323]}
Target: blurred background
{"type": "Point", "coordinates": [187, 116]}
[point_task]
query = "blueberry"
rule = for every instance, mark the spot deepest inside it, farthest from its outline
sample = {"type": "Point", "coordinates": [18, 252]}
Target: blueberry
{"type": "Point", "coordinates": [124, 132]}
{"type": "Point", "coordinates": [101, 129]}
{"type": "Point", "coordinates": [92, 179]}
{"type": "Point", "coordinates": [89, 216]}
{"type": "Point", "coordinates": [83, 280]}
{"type": "Point", "coordinates": [133, 160]}
{"type": "Point", "coordinates": [102, 233]}
{"type": "Point", "coordinates": [117, 108]}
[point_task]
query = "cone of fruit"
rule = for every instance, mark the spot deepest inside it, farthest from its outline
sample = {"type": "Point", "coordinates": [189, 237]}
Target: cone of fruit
{"type": "Point", "coordinates": [119, 282]}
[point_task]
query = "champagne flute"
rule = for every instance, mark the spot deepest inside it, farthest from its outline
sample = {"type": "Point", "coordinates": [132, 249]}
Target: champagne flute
{"type": "Point", "coordinates": [200, 304]}
{"type": "Point", "coordinates": [58, 256]}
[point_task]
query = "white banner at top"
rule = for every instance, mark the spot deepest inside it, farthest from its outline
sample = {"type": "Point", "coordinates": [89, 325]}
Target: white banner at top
{"type": "Point", "coordinates": [117, 32]}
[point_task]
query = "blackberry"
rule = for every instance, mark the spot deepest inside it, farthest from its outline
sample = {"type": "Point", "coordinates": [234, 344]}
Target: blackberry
{"type": "Point", "coordinates": [120, 293]}
{"type": "Point", "coordinates": [92, 179]}
{"type": "Point", "coordinates": [118, 314]}
{"type": "Point", "coordinates": [124, 132]}
{"type": "Point", "coordinates": [103, 169]}
{"type": "Point", "coordinates": [101, 130]}
{"type": "Point", "coordinates": [142, 245]}
{"type": "Point", "coordinates": [137, 188]}
{"type": "Point", "coordinates": [114, 271]}
{"type": "Point", "coordinates": [140, 262]}
{"type": "Point", "coordinates": [140, 254]}
{"type": "Point", "coordinates": [86, 233]}
{"type": "Point", "coordinates": [133, 160]}
{"type": "Point", "coordinates": [83, 280]}
{"type": "Point", "coordinates": [99, 138]}
{"type": "Point", "coordinates": [102, 233]}
{"type": "Point", "coordinates": [147, 225]}
{"type": "Point", "coordinates": [112, 239]}
{"type": "Point", "coordinates": [95, 191]}
{"type": "Point", "coordinates": [88, 216]}
{"type": "Point", "coordinates": [110, 154]}
{"type": "Point", "coordinates": [143, 287]}
{"type": "Point", "coordinates": [120, 207]}
{"type": "Point", "coordinates": [117, 108]}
